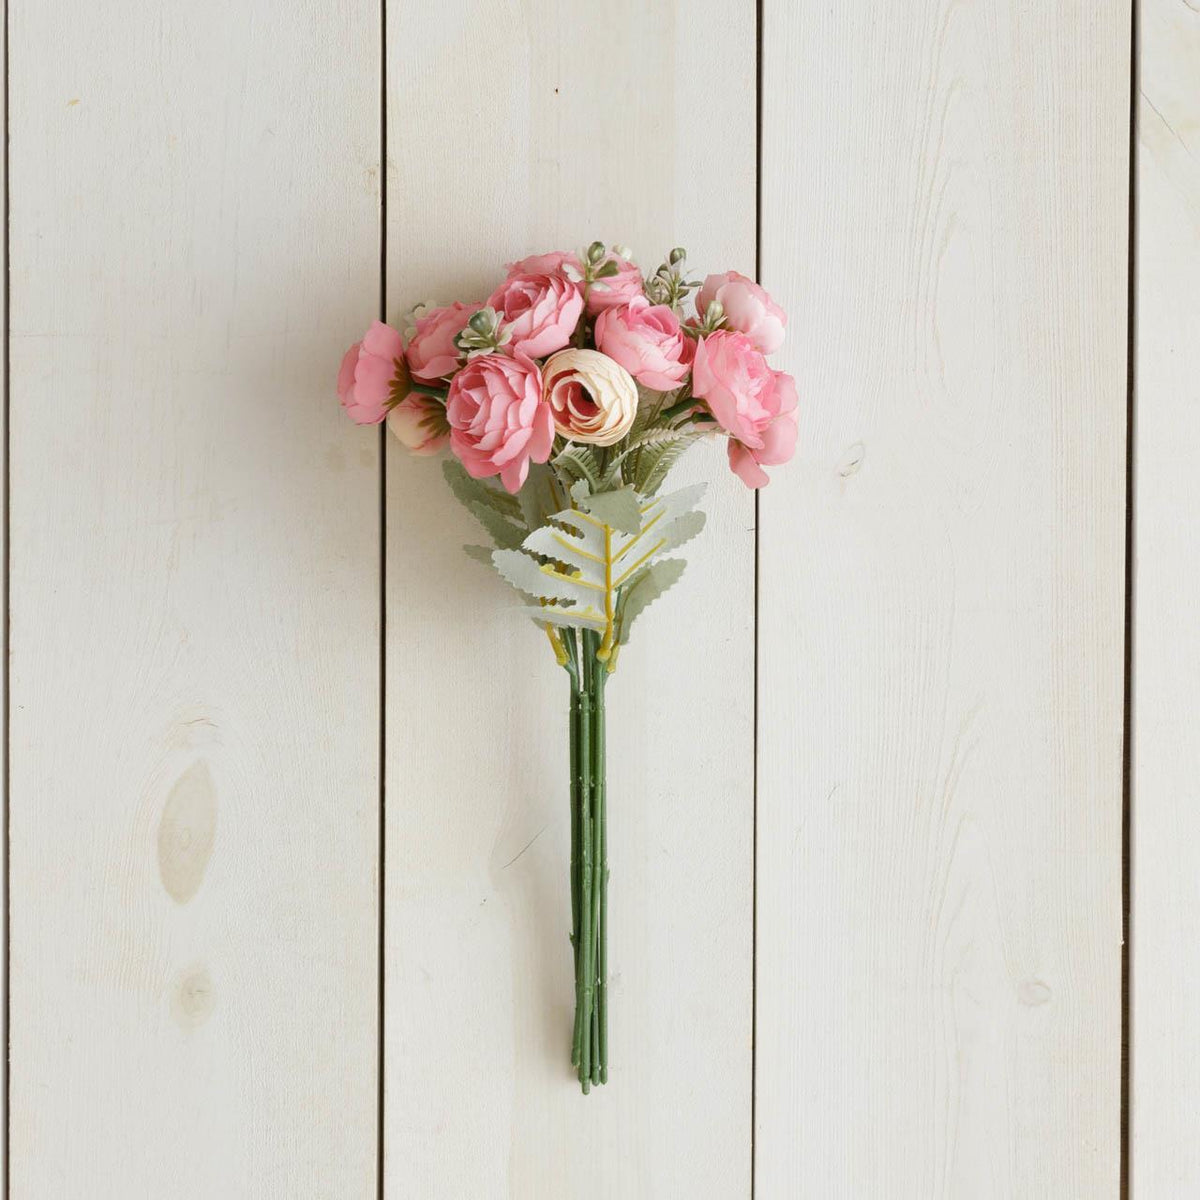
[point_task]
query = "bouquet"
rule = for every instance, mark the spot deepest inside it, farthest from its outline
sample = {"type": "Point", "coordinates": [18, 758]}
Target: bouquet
{"type": "Point", "coordinates": [565, 399]}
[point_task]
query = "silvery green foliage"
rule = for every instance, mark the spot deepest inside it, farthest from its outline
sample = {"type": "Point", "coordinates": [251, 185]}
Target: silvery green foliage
{"type": "Point", "coordinates": [598, 564]}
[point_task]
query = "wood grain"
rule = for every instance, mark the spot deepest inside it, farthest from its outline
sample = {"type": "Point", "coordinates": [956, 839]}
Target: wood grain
{"type": "Point", "coordinates": [194, 588]}
{"type": "Point", "coordinates": [517, 128]}
{"type": "Point", "coordinates": [941, 604]}
{"type": "Point", "coordinates": [1165, 767]}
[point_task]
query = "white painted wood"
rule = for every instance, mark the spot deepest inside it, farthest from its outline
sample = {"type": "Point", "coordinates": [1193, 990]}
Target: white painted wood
{"type": "Point", "coordinates": [3, 635]}
{"type": "Point", "coordinates": [194, 593]}
{"type": "Point", "coordinates": [941, 604]}
{"type": "Point", "coordinates": [517, 128]}
{"type": "Point", "coordinates": [1165, 767]}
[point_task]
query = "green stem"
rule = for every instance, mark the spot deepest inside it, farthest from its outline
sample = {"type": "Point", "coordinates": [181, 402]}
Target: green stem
{"type": "Point", "coordinates": [570, 643]}
{"type": "Point", "coordinates": [425, 390]}
{"type": "Point", "coordinates": [584, 975]}
{"type": "Point", "coordinates": [599, 786]}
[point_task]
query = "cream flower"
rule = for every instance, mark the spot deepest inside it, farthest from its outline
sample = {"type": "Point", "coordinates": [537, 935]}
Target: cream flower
{"type": "Point", "coordinates": [593, 398]}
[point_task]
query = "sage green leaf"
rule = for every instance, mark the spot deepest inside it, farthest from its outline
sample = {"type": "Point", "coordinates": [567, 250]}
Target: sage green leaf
{"type": "Point", "coordinates": [469, 491]}
{"type": "Point", "coordinates": [546, 582]}
{"type": "Point", "coordinates": [481, 554]}
{"type": "Point", "coordinates": [585, 571]}
{"type": "Point", "coordinates": [579, 463]}
{"type": "Point", "coordinates": [620, 510]}
{"type": "Point", "coordinates": [504, 533]}
{"type": "Point", "coordinates": [652, 462]}
{"type": "Point", "coordinates": [541, 497]}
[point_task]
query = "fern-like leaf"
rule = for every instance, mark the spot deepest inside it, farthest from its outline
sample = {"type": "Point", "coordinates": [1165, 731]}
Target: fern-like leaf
{"type": "Point", "coordinates": [577, 564]}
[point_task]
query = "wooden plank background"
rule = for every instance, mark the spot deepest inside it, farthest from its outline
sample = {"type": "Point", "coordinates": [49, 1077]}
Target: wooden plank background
{"type": "Point", "coordinates": [480, 1100]}
{"type": "Point", "coordinates": [941, 606]}
{"type": "Point", "coordinates": [1165, 984]}
{"type": "Point", "coordinates": [194, 602]}
{"type": "Point", "coordinates": [867, 914]}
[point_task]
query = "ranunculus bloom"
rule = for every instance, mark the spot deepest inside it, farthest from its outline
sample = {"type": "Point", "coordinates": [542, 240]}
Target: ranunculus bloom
{"type": "Point", "coordinates": [620, 288]}
{"type": "Point", "coordinates": [755, 405]}
{"type": "Point", "coordinates": [748, 309]}
{"type": "Point", "coordinates": [420, 423]}
{"type": "Point", "coordinates": [431, 350]}
{"type": "Point", "coordinates": [648, 342]}
{"type": "Point", "coordinates": [373, 375]}
{"type": "Point", "coordinates": [593, 398]}
{"type": "Point", "coordinates": [553, 263]}
{"type": "Point", "coordinates": [499, 422]}
{"type": "Point", "coordinates": [541, 311]}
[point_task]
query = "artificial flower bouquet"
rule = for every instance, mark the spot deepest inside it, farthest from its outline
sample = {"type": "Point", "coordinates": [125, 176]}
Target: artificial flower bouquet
{"type": "Point", "coordinates": [565, 399]}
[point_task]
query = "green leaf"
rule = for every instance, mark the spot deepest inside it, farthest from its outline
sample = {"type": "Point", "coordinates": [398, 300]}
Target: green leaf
{"type": "Point", "coordinates": [541, 497]}
{"type": "Point", "coordinates": [653, 462]}
{"type": "Point", "coordinates": [577, 463]}
{"type": "Point", "coordinates": [650, 404]}
{"type": "Point", "coordinates": [581, 568]}
{"type": "Point", "coordinates": [469, 491]}
{"type": "Point", "coordinates": [481, 554]}
{"type": "Point", "coordinates": [503, 532]}
{"type": "Point", "coordinates": [650, 583]}
{"type": "Point", "coordinates": [620, 509]}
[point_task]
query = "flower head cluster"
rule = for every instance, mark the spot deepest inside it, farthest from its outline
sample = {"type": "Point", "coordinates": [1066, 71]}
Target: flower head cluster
{"type": "Point", "coordinates": [581, 350]}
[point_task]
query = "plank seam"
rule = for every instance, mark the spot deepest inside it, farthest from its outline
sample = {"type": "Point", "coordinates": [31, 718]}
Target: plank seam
{"type": "Point", "coordinates": [758, 157]}
{"type": "Point", "coordinates": [5, 768]}
{"type": "Point", "coordinates": [381, 970]}
{"type": "Point", "coordinates": [1127, 732]}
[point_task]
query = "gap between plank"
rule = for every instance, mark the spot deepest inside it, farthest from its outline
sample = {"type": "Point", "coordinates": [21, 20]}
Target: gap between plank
{"type": "Point", "coordinates": [758, 158]}
{"type": "Point", "coordinates": [381, 968]}
{"type": "Point", "coordinates": [1127, 733]}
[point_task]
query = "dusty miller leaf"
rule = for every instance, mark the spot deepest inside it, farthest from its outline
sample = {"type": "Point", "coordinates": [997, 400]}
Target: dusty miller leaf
{"type": "Point", "coordinates": [541, 497]}
{"type": "Point", "coordinates": [620, 510]}
{"type": "Point", "coordinates": [470, 491]}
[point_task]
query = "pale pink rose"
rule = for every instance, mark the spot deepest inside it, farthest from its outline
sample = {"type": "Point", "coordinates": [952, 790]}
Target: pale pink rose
{"type": "Point", "coordinates": [431, 351]}
{"type": "Point", "coordinates": [499, 422]}
{"type": "Point", "coordinates": [648, 341]}
{"type": "Point", "coordinates": [753, 404]}
{"type": "Point", "coordinates": [419, 422]}
{"type": "Point", "coordinates": [553, 263]}
{"type": "Point", "coordinates": [621, 288]}
{"type": "Point", "coordinates": [748, 309]}
{"type": "Point", "coordinates": [540, 310]}
{"type": "Point", "coordinates": [373, 375]}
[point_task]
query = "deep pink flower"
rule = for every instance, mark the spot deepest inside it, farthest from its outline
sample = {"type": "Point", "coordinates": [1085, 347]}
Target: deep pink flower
{"type": "Point", "coordinates": [540, 310]}
{"type": "Point", "coordinates": [648, 341]}
{"type": "Point", "coordinates": [748, 309]}
{"type": "Point", "coordinates": [753, 404]}
{"type": "Point", "coordinates": [373, 375]}
{"type": "Point", "coordinates": [621, 288]}
{"type": "Point", "coordinates": [499, 422]}
{"type": "Point", "coordinates": [431, 352]}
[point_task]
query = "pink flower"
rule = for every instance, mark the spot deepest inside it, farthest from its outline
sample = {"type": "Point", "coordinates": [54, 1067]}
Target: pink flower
{"type": "Point", "coordinates": [373, 375]}
{"type": "Point", "coordinates": [755, 405]}
{"type": "Point", "coordinates": [621, 288]}
{"type": "Point", "coordinates": [748, 309]}
{"type": "Point", "coordinates": [553, 263]}
{"type": "Point", "coordinates": [648, 342]}
{"type": "Point", "coordinates": [499, 422]}
{"type": "Point", "coordinates": [431, 351]}
{"type": "Point", "coordinates": [541, 311]}
{"type": "Point", "coordinates": [420, 423]}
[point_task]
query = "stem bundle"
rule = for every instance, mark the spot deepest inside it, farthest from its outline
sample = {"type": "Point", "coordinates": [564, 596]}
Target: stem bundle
{"type": "Point", "coordinates": [589, 857]}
